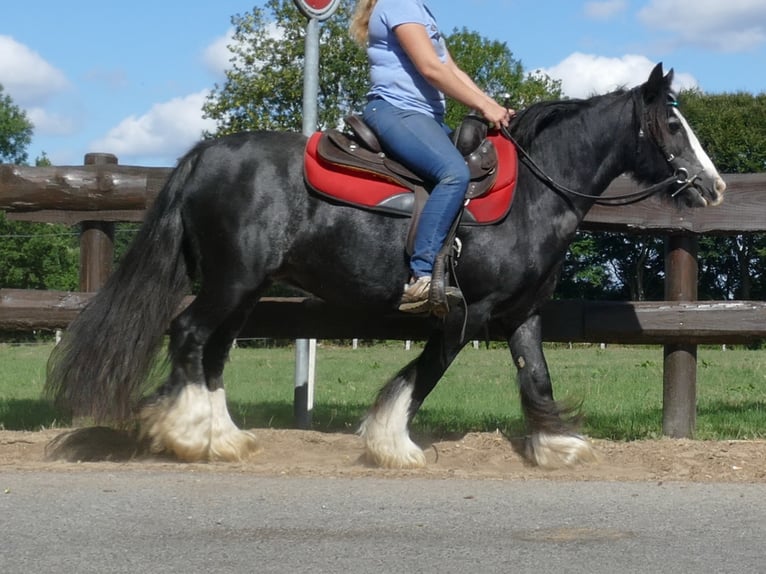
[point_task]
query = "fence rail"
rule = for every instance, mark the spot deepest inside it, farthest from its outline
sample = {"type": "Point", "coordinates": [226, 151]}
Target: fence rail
{"type": "Point", "coordinates": [565, 321]}
{"type": "Point", "coordinates": [101, 192]}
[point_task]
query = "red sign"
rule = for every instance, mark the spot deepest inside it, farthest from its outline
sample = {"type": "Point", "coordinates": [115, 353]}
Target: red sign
{"type": "Point", "coordinates": [318, 9]}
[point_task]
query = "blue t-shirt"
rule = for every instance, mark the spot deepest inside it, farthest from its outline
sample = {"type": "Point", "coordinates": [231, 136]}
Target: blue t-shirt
{"type": "Point", "coordinates": [393, 76]}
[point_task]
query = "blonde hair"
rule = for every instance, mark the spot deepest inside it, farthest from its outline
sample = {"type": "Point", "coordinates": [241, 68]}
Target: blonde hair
{"type": "Point", "coordinates": [360, 21]}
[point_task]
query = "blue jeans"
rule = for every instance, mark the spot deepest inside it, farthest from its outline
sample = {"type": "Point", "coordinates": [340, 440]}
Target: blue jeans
{"type": "Point", "coordinates": [423, 145]}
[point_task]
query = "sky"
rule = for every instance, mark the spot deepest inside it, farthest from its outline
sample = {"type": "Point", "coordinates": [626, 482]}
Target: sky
{"type": "Point", "coordinates": [130, 78]}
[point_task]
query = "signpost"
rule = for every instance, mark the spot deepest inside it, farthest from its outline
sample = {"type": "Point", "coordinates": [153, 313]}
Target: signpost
{"type": "Point", "coordinates": [305, 349]}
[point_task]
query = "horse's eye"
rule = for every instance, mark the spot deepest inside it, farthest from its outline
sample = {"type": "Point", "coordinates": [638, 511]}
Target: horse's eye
{"type": "Point", "coordinates": [674, 124]}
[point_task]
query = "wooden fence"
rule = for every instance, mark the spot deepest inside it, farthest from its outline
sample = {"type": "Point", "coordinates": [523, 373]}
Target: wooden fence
{"type": "Point", "coordinates": [101, 192]}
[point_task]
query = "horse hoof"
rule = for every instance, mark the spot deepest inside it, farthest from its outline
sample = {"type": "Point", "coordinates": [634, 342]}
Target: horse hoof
{"type": "Point", "coordinates": [413, 457]}
{"type": "Point", "coordinates": [553, 451]}
{"type": "Point", "coordinates": [392, 452]}
{"type": "Point", "coordinates": [178, 424]}
{"type": "Point", "coordinates": [234, 446]}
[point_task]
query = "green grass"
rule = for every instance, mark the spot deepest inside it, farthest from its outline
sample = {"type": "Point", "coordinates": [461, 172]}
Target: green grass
{"type": "Point", "coordinates": [620, 389]}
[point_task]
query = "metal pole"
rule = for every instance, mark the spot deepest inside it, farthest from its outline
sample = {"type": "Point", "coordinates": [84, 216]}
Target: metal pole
{"type": "Point", "coordinates": [311, 77]}
{"type": "Point", "coordinates": [305, 349]}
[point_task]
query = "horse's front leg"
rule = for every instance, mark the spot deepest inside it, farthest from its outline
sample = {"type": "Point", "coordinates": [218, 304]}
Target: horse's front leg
{"type": "Point", "coordinates": [552, 441]}
{"type": "Point", "coordinates": [385, 428]}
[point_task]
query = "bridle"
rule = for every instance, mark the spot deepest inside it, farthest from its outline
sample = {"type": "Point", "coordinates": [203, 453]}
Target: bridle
{"type": "Point", "coordinates": [680, 174]}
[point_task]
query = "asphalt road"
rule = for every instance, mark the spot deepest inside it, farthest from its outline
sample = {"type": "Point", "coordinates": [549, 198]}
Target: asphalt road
{"type": "Point", "coordinates": [187, 521]}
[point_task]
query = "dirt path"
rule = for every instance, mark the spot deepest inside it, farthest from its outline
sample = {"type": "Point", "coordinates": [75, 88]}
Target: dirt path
{"type": "Point", "coordinates": [476, 455]}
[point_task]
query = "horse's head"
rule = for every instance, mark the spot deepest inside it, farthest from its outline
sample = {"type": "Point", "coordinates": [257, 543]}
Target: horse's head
{"type": "Point", "coordinates": [667, 145]}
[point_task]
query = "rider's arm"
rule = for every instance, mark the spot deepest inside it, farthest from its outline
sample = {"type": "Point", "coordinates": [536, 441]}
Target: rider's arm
{"type": "Point", "coordinates": [446, 77]}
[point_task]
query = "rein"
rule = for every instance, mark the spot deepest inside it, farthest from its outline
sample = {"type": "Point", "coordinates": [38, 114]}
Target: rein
{"type": "Point", "coordinates": [680, 176]}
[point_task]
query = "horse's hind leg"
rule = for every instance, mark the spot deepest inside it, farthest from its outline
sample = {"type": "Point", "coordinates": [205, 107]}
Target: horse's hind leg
{"type": "Point", "coordinates": [188, 416]}
{"type": "Point", "coordinates": [227, 441]}
{"type": "Point", "coordinates": [552, 441]}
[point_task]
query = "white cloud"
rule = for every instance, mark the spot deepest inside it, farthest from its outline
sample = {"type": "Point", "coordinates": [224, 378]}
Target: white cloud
{"type": "Point", "coordinates": [26, 76]}
{"type": "Point", "coordinates": [726, 26]}
{"type": "Point", "coordinates": [51, 124]}
{"type": "Point", "coordinates": [217, 55]}
{"type": "Point", "coordinates": [584, 75]}
{"type": "Point", "coordinates": [166, 131]}
{"type": "Point", "coordinates": [605, 10]}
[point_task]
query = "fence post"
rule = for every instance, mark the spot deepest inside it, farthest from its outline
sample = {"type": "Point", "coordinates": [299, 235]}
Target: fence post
{"type": "Point", "coordinates": [679, 384]}
{"type": "Point", "coordinates": [96, 240]}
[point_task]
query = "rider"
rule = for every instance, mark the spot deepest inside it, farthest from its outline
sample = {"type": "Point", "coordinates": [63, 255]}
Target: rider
{"type": "Point", "coordinates": [411, 72]}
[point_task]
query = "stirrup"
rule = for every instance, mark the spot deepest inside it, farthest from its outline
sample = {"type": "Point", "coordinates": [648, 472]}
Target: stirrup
{"type": "Point", "coordinates": [442, 296]}
{"type": "Point", "coordinates": [451, 296]}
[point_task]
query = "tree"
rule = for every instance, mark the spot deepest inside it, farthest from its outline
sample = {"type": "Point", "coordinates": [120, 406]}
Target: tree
{"type": "Point", "coordinates": [492, 67]}
{"type": "Point", "coordinates": [732, 129]}
{"type": "Point", "coordinates": [32, 255]}
{"type": "Point", "coordinates": [264, 87]}
{"type": "Point", "coordinates": [15, 131]}
{"type": "Point", "coordinates": [613, 266]}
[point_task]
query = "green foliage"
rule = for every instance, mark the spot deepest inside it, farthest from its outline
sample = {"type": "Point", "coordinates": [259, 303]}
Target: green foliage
{"type": "Point", "coordinates": [602, 265]}
{"type": "Point", "coordinates": [32, 255]}
{"type": "Point", "coordinates": [43, 160]}
{"type": "Point", "coordinates": [493, 68]}
{"type": "Point", "coordinates": [37, 256]}
{"type": "Point", "coordinates": [731, 128]}
{"type": "Point", "coordinates": [15, 131]}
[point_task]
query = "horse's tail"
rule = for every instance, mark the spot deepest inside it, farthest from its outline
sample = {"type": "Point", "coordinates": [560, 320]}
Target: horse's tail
{"type": "Point", "coordinates": [105, 357]}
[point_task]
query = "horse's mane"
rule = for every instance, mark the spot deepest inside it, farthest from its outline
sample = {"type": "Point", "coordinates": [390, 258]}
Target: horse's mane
{"type": "Point", "coordinates": [530, 122]}
{"type": "Point", "coordinates": [543, 115]}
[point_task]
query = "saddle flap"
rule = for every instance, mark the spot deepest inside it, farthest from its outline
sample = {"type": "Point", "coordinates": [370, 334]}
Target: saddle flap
{"type": "Point", "coordinates": [338, 148]}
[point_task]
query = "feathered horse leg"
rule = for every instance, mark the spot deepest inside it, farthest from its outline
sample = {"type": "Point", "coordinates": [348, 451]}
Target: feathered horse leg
{"type": "Point", "coordinates": [189, 417]}
{"type": "Point", "coordinates": [553, 440]}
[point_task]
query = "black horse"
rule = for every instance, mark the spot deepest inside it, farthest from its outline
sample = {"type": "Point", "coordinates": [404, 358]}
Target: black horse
{"type": "Point", "coordinates": [236, 213]}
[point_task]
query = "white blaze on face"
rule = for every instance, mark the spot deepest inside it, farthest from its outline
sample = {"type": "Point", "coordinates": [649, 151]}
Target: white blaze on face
{"type": "Point", "coordinates": [702, 157]}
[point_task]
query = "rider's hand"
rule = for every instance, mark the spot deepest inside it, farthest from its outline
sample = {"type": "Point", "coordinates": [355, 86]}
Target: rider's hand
{"type": "Point", "coordinates": [497, 114]}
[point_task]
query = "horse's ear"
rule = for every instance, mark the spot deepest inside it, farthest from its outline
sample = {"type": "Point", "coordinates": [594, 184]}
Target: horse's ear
{"type": "Point", "coordinates": [655, 86]}
{"type": "Point", "coordinates": [669, 78]}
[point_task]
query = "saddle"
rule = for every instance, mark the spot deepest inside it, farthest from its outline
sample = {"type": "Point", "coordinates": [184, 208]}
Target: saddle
{"type": "Point", "coordinates": [349, 167]}
{"type": "Point", "coordinates": [361, 150]}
